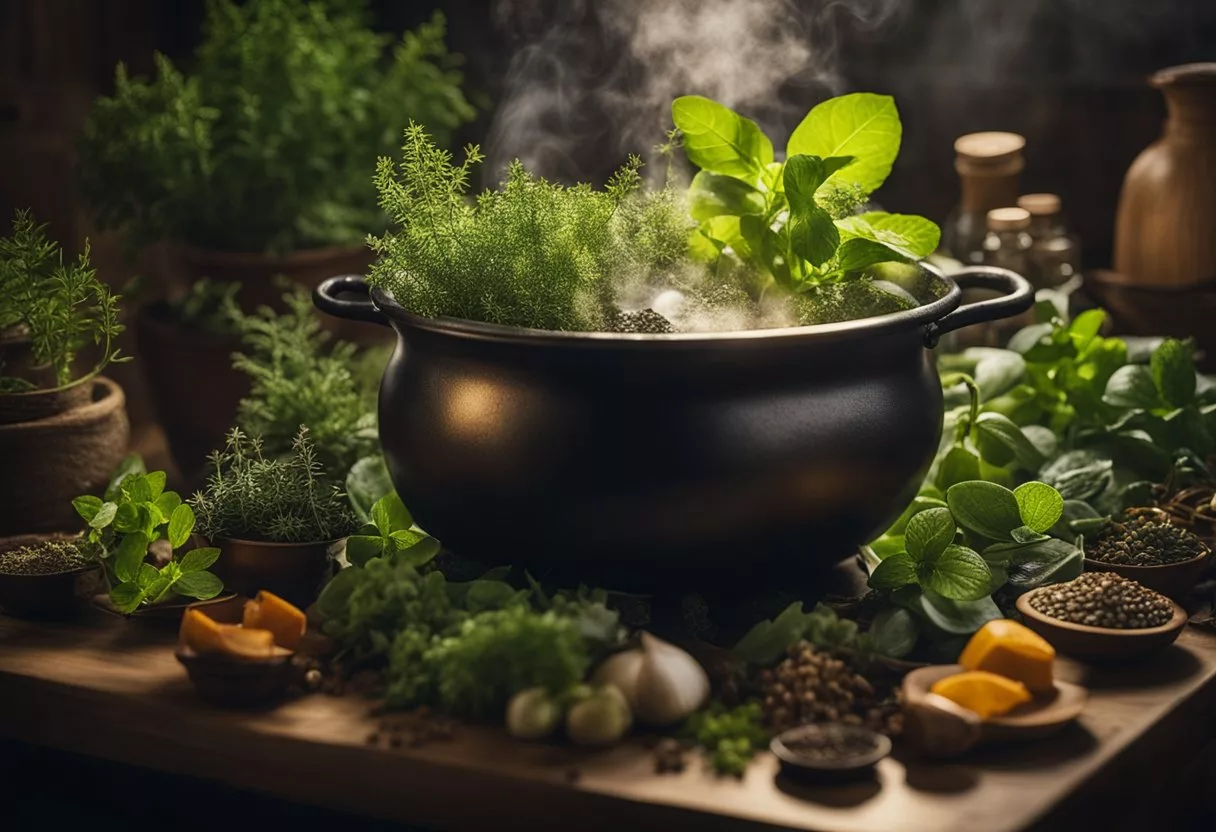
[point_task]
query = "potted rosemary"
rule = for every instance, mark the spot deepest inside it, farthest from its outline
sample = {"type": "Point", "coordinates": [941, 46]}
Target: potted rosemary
{"type": "Point", "coordinates": [63, 426]}
{"type": "Point", "coordinates": [277, 521]}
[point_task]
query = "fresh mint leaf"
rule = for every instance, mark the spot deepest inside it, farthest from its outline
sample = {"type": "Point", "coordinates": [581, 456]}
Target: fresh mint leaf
{"type": "Point", "coordinates": [802, 177]}
{"type": "Point", "coordinates": [1040, 505]}
{"type": "Point", "coordinates": [1001, 442]}
{"type": "Point", "coordinates": [126, 597]}
{"type": "Point", "coordinates": [362, 548]}
{"type": "Point", "coordinates": [894, 571]}
{"type": "Point", "coordinates": [988, 509]}
{"type": "Point", "coordinates": [1173, 370]}
{"type": "Point", "coordinates": [147, 575]}
{"type": "Point", "coordinates": [857, 253]}
{"type": "Point", "coordinates": [181, 524]}
{"type": "Point", "coordinates": [712, 195]}
{"type": "Point", "coordinates": [720, 140]}
{"type": "Point", "coordinates": [893, 632]}
{"type": "Point", "coordinates": [103, 515]}
{"type": "Point", "coordinates": [137, 488]}
{"type": "Point", "coordinates": [132, 465]}
{"type": "Point", "coordinates": [813, 236]}
{"type": "Point", "coordinates": [958, 573]}
{"type": "Point", "coordinates": [88, 506]}
{"type": "Point", "coordinates": [1085, 327]}
{"type": "Point", "coordinates": [200, 585]}
{"type": "Point", "coordinates": [419, 553]}
{"type": "Point", "coordinates": [197, 560]}
{"type": "Point", "coordinates": [997, 372]}
{"type": "Point", "coordinates": [862, 125]}
{"type": "Point", "coordinates": [390, 514]}
{"type": "Point", "coordinates": [909, 236]}
{"type": "Point", "coordinates": [768, 640]}
{"type": "Point", "coordinates": [367, 482]}
{"type": "Point", "coordinates": [952, 617]}
{"type": "Point", "coordinates": [929, 533]}
{"type": "Point", "coordinates": [957, 466]}
{"type": "Point", "coordinates": [156, 483]}
{"type": "Point", "coordinates": [167, 503]}
{"type": "Point", "coordinates": [127, 518]}
{"type": "Point", "coordinates": [1132, 387]}
{"type": "Point", "coordinates": [129, 555]}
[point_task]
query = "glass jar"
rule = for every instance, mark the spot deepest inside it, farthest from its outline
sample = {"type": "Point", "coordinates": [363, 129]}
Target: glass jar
{"type": "Point", "coordinates": [1055, 254]}
{"type": "Point", "coordinates": [988, 166]}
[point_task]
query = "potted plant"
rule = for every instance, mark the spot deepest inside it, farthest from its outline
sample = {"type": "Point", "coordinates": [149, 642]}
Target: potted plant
{"type": "Point", "coordinates": [63, 429]}
{"type": "Point", "coordinates": [657, 387]}
{"type": "Point", "coordinates": [277, 521]}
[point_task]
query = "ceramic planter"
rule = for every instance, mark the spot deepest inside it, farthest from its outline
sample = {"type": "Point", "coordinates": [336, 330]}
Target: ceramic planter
{"type": "Point", "coordinates": [645, 461]}
{"type": "Point", "coordinates": [47, 461]}
{"type": "Point", "coordinates": [293, 571]}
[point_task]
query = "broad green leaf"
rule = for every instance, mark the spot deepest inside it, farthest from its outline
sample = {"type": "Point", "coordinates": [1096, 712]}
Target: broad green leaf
{"type": "Point", "coordinates": [887, 545]}
{"type": "Point", "coordinates": [985, 508]}
{"type": "Point", "coordinates": [151, 519]}
{"type": "Point", "coordinates": [997, 372]}
{"type": "Point", "coordinates": [131, 465]}
{"type": "Point", "coordinates": [390, 514]}
{"type": "Point", "coordinates": [366, 483]}
{"type": "Point", "coordinates": [1041, 505]}
{"type": "Point", "coordinates": [1045, 561]}
{"type": "Point", "coordinates": [857, 253]}
{"type": "Point", "coordinates": [1028, 338]}
{"type": "Point", "coordinates": [908, 235]}
{"type": "Point", "coordinates": [147, 575]}
{"type": "Point", "coordinates": [87, 507]}
{"type": "Point", "coordinates": [1173, 369]}
{"type": "Point", "coordinates": [959, 574]}
{"type": "Point", "coordinates": [720, 140]}
{"type": "Point", "coordinates": [159, 588]}
{"type": "Point", "coordinates": [334, 598]}
{"type": "Point", "coordinates": [362, 548]}
{"type": "Point", "coordinates": [1001, 442]}
{"type": "Point", "coordinates": [129, 555]}
{"type": "Point", "coordinates": [712, 195]}
{"type": "Point", "coordinates": [768, 640]}
{"type": "Point", "coordinates": [1132, 387]}
{"type": "Point", "coordinates": [126, 597]}
{"type": "Point", "coordinates": [958, 465]}
{"type": "Point", "coordinates": [919, 503]}
{"type": "Point", "coordinates": [128, 519]}
{"type": "Point", "coordinates": [813, 236]}
{"type": "Point", "coordinates": [862, 125]}
{"type": "Point", "coordinates": [929, 533]}
{"type": "Point", "coordinates": [167, 503]}
{"type": "Point", "coordinates": [421, 552]}
{"type": "Point", "coordinates": [953, 617]}
{"type": "Point", "coordinates": [181, 524]}
{"type": "Point", "coordinates": [1025, 534]}
{"type": "Point", "coordinates": [137, 488]}
{"type": "Point", "coordinates": [725, 232]}
{"type": "Point", "coordinates": [894, 571]}
{"type": "Point", "coordinates": [200, 585]}
{"type": "Point", "coordinates": [893, 632]}
{"type": "Point", "coordinates": [103, 516]}
{"type": "Point", "coordinates": [802, 177]}
{"type": "Point", "coordinates": [156, 483]}
{"type": "Point", "coordinates": [197, 560]}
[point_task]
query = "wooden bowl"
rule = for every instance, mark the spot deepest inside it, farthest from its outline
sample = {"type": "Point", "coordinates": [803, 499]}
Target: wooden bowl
{"type": "Point", "coordinates": [168, 613]}
{"type": "Point", "coordinates": [238, 683]}
{"type": "Point", "coordinates": [851, 767]}
{"type": "Point", "coordinates": [1040, 717]}
{"type": "Point", "coordinates": [1100, 644]}
{"type": "Point", "coordinates": [1173, 580]}
{"type": "Point", "coordinates": [50, 596]}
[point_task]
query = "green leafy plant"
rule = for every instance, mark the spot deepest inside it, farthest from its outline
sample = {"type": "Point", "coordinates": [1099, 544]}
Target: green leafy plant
{"type": "Point", "coordinates": [297, 377]}
{"type": "Point", "coordinates": [532, 253]}
{"type": "Point", "coordinates": [288, 499]}
{"type": "Point", "coordinates": [391, 534]}
{"type": "Point", "coordinates": [265, 145]}
{"type": "Point", "coordinates": [207, 307]}
{"type": "Point", "coordinates": [61, 308]}
{"type": "Point", "coordinates": [795, 221]}
{"type": "Point", "coordinates": [731, 736]}
{"type": "Point", "coordinates": [933, 561]}
{"type": "Point", "coordinates": [135, 513]}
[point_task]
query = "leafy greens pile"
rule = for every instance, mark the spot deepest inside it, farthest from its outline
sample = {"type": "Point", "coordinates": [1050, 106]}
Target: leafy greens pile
{"type": "Point", "coordinates": [265, 146]}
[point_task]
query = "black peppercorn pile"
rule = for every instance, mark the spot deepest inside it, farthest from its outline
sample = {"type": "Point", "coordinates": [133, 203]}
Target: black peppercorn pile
{"type": "Point", "coordinates": [1104, 599]}
{"type": "Point", "coordinates": [811, 686]}
{"type": "Point", "coordinates": [831, 746]}
{"type": "Point", "coordinates": [48, 558]}
{"type": "Point", "coordinates": [643, 322]}
{"type": "Point", "coordinates": [1145, 541]}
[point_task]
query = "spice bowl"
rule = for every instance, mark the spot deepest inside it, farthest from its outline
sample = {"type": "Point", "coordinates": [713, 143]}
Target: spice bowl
{"type": "Point", "coordinates": [49, 596]}
{"type": "Point", "coordinates": [831, 752]}
{"type": "Point", "coordinates": [1100, 644]}
{"type": "Point", "coordinates": [237, 683]}
{"type": "Point", "coordinates": [1173, 580]}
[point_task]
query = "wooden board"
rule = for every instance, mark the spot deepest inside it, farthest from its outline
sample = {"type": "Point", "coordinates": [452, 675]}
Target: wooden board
{"type": "Point", "coordinates": [112, 689]}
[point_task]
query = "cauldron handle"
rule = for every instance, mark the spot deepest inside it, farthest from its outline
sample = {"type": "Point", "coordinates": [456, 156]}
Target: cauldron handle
{"type": "Point", "coordinates": [328, 298]}
{"type": "Point", "coordinates": [1017, 295]}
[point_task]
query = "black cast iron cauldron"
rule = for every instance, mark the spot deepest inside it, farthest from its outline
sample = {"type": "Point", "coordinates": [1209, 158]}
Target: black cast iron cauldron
{"type": "Point", "coordinates": [666, 461]}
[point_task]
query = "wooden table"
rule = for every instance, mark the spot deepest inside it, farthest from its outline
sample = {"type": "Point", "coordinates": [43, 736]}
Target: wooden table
{"type": "Point", "coordinates": [112, 689]}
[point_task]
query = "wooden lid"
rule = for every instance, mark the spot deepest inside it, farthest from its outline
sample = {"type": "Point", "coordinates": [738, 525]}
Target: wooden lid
{"type": "Point", "coordinates": [1040, 205]}
{"type": "Point", "coordinates": [1008, 219]}
{"type": "Point", "coordinates": [990, 153]}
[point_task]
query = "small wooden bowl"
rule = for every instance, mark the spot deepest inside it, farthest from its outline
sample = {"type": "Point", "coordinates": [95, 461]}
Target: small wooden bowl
{"type": "Point", "coordinates": [237, 683]}
{"type": "Point", "coordinates": [50, 596]}
{"type": "Point", "coordinates": [852, 767]}
{"type": "Point", "coordinates": [1044, 715]}
{"type": "Point", "coordinates": [1100, 644]}
{"type": "Point", "coordinates": [1173, 580]}
{"type": "Point", "coordinates": [169, 613]}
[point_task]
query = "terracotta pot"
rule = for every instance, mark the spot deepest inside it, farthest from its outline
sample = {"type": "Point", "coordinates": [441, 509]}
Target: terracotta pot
{"type": "Point", "coordinates": [1167, 209]}
{"type": "Point", "coordinates": [49, 461]}
{"type": "Point", "coordinates": [53, 596]}
{"type": "Point", "coordinates": [1176, 311]}
{"type": "Point", "coordinates": [195, 391]}
{"type": "Point", "coordinates": [293, 571]}
{"type": "Point", "coordinates": [42, 404]}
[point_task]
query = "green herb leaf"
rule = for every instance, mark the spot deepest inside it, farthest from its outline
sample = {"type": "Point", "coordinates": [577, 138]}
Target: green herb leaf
{"type": "Point", "coordinates": [137, 488]}
{"type": "Point", "coordinates": [1040, 505]}
{"type": "Point", "coordinates": [712, 195]}
{"type": "Point", "coordinates": [1000, 442]}
{"type": "Point", "coordinates": [127, 519]}
{"type": "Point", "coordinates": [367, 482]}
{"type": "Point", "coordinates": [419, 553]}
{"type": "Point", "coordinates": [959, 574]}
{"type": "Point", "coordinates": [156, 483]}
{"type": "Point", "coordinates": [196, 560]}
{"type": "Point", "coordinates": [953, 617]}
{"type": "Point", "coordinates": [1132, 387]}
{"type": "Point", "coordinates": [390, 514]}
{"type": "Point", "coordinates": [147, 575]}
{"type": "Point", "coordinates": [985, 508]}
{"type": "Point", "coordinates": [167, 503]}
{"type": "Point", "coordinates": [907, 235]}
{"type": "Point", "coordinates": [1039, 562]}
{"type": "Point", "coordinates": [894, 571]}
{"type": "Point", "coordinates": [813, 236]}
{"type": "Point", "coordinates": [103, 516]}
{"type": "Point", "coordinates": [87, 507]}
{"type": "Point", "coordinates": [181, 524]}
{"type": "Point", "coordinates": [929, 533]}
{"type": "Point", "coordinates": [862, 125]}
{"type": "Point", "coordinates": [129, 555]}
{"type": "Point", "coordinates": [200, 585]}
{"type": "Point", "coordinates": [720, 140]}
{"type": "Point", "coordinates": [126, 597]}
{"type": "Point", "coordinates": [362, 548]}
{"type": "Point", "coordinates": [893, 632]}
{"type": "Point", "coordinates": [857, 253]}
{"type": "Point", "coordinates": [768, 640]}
{"type": "Point", "coordinates": [1173, 370]}
{"type": "Point", "coordinates": [959, 465]}
{"type": "Point", "coordinates": [132, 465]}
{"type": "Point", "coordinates": [802, 177]}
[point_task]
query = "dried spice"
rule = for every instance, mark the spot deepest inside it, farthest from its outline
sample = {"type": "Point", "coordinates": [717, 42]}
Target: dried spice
{"type": "Point", "coordinates": [1144, 539]}
{"type": "Point", "coordinates": [1104, 599]}
{"type": "Point", "coordinates": [811, 686]}
{"type": "Point", "coordinates": [47, 558]}
{"type": "Point", "coordinates": [830, 745]}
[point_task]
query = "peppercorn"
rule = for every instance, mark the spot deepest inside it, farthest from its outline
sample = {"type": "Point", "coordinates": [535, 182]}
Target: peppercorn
{"type": "Point", "coordinates": [1104, 599]}
{"type": "Point", "coordinates": [1142, 539]}
{"type": "Point", "coordinates": [811, 686]}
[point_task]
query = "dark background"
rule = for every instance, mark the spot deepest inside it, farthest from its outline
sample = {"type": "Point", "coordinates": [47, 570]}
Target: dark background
{"type": "Point", "coordinates": [1070, 75]}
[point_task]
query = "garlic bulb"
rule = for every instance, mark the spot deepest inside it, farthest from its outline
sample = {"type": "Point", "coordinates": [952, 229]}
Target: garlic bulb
{"type": "Point", "coordinates": [661, 682]}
